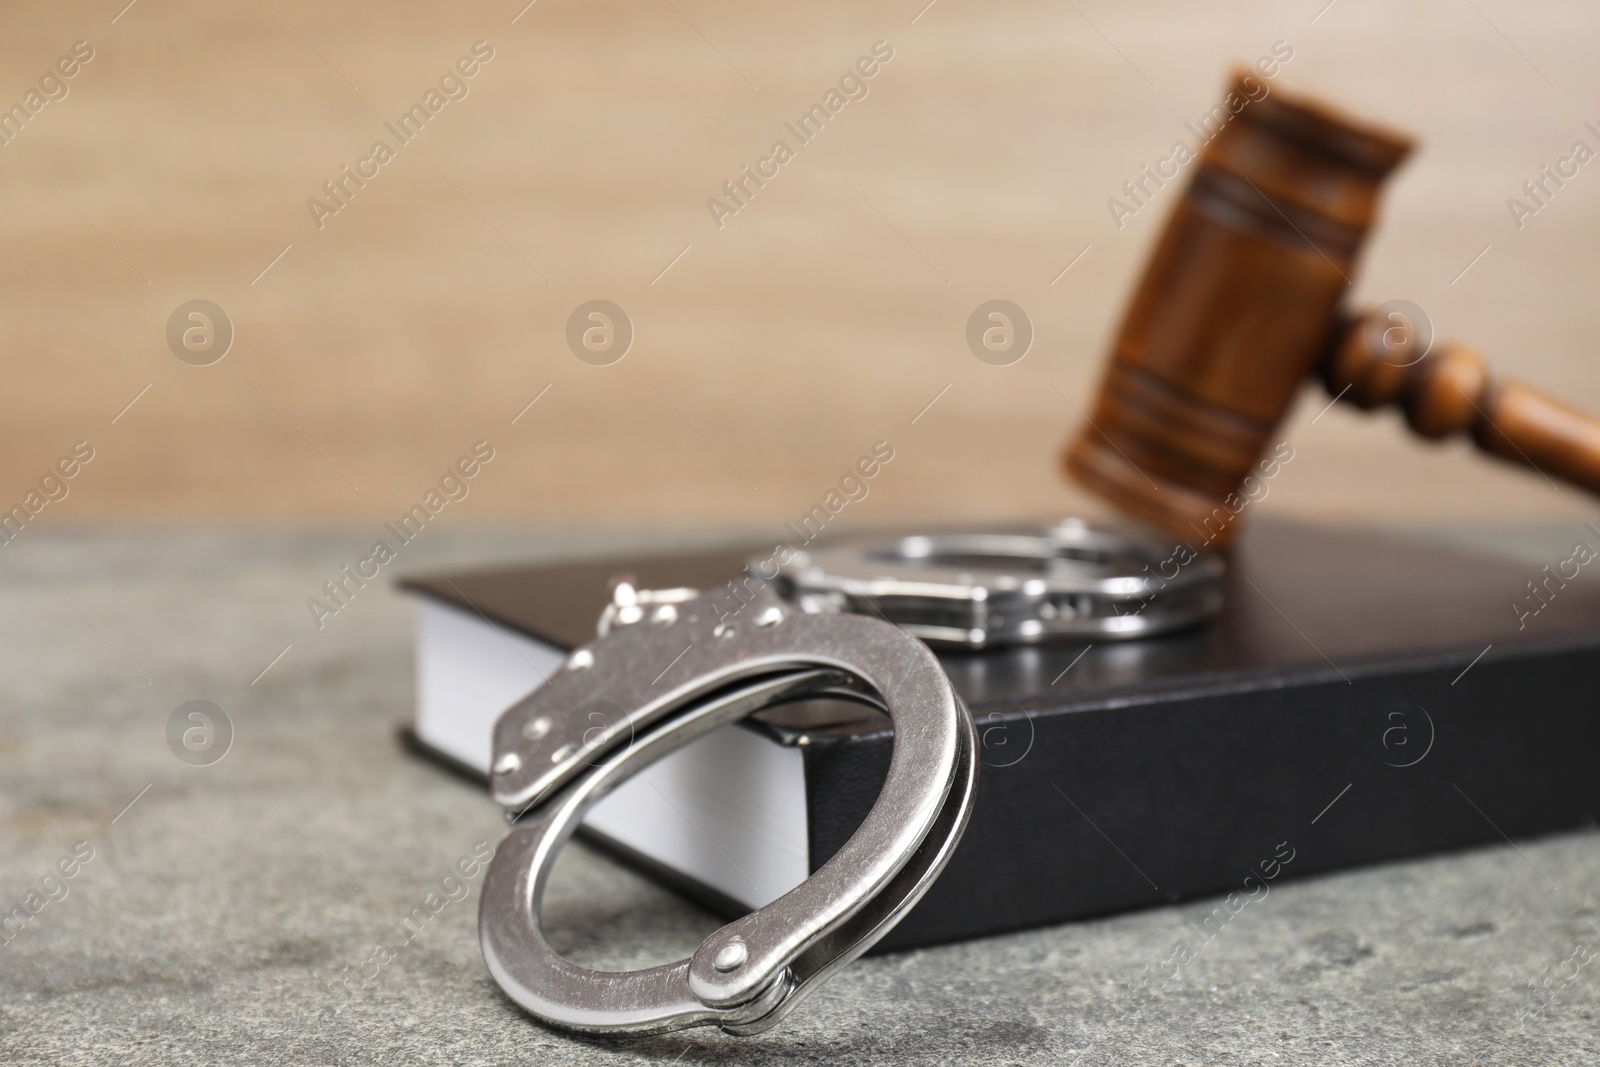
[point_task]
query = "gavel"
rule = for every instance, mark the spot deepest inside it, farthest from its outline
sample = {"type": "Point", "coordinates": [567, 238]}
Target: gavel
{"type": "Point", "coordinates": [1241, 303]}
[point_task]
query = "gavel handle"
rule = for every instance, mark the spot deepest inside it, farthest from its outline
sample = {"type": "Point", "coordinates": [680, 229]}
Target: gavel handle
{"type": "Point", "coordinates": [1373, 362]}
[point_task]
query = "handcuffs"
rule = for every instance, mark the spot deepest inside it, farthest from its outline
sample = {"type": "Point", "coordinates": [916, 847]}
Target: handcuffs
{"type": "Point", "coordinates": [1019, 585]}
{"type": "Point", "coordinates": [673, 664]}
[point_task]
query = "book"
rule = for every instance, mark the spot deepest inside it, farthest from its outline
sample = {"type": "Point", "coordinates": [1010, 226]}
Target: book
{"type": "Point", "coordinates": [1358, 699]}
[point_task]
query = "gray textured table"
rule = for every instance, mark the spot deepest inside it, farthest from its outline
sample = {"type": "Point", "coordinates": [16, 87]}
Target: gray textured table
{"type": "Point", "coordinates": [223, 904]}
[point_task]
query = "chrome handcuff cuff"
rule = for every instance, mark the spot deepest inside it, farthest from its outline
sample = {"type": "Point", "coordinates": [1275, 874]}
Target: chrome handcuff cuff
{"type": "Point", "coordinates": [673, 664]}
{"type": "Point", "coordinates": [1020, 585]}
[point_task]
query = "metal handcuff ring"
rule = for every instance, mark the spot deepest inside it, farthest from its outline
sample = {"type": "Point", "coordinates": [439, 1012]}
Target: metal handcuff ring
{"type": "Point", "coordinates": [1013, 585]}
{"type": "Point", "coordinates": [750, 974]}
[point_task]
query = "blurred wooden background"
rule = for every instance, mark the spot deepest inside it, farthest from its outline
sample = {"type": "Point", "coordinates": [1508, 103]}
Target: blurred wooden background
{"type": "Point", "coordinates": [822, 318]}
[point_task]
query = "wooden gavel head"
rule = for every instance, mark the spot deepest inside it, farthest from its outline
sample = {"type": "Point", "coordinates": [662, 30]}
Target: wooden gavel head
{"type": "Point", "coordinates": [1241, 302]}
{"type": "Point", "coordinates": [1235, 309]}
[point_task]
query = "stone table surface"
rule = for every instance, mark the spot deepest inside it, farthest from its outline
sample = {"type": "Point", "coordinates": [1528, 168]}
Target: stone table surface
{"type": "Point", "coordinates": [220, 905]}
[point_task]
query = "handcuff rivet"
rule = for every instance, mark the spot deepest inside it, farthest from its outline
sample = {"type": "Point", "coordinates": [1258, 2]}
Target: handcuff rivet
{"type": "Point", "coordinates": [665, 615]}
{"type": "Point", "coordinates": [580, 660]}
{"type": "Point", "coordinates": [731, 956]}
{"type": "Point", "coordinates": [536, 728]}
{"type": "Point", "coordinates": [507, 763]}
{"type": "Point", "coordinates": [726, 629]}
{"type": "Point", "coordinates": [770, 617]}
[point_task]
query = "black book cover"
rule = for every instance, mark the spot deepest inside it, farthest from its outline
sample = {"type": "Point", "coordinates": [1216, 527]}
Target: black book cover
{"type": "Point", "coordinates": [1359, 699]}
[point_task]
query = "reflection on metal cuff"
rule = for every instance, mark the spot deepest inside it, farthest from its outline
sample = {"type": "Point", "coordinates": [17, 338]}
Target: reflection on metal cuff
{"type": "Point", "coordinates": [1013, 585]}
